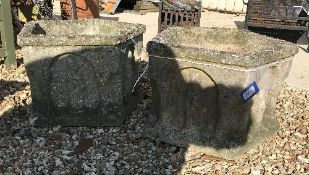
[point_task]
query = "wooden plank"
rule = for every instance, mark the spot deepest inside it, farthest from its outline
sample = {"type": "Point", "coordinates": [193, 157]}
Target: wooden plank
{"type": "Point", "coordinates": [148, 10]}
{"type": "Point", "coordinates": [7, 35]}
{"type": "Point", "coordinates": [238, 6]}
{"type": "Point", "coordinates": [221, 5]}
{"type": "Point", "coordinates": [157, 9]}
{"type": "Point", "coordinates": [147, 3]}
{"type": "Point", "coordinates": [145, 6]}
{"type": "Point", "coordinates": [229, 5]}
{"type": "Point", "coordinates": [137, 6]}
{"type": "Point", "coordinates": [138, 3]}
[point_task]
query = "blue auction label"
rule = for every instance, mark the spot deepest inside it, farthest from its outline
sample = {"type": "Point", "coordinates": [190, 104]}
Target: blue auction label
{"type": "Point", "coordinates": [249, 92]}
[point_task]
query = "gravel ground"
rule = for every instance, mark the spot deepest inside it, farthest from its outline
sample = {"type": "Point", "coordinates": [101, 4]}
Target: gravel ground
{"type": "Point", "coordinates": [25, 149]}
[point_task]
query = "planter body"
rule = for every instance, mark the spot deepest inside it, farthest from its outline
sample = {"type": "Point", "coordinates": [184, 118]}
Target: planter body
{"type": "Point", "coordinates": [79, 76]}
{"type": "Point", "coordinates": [85, 9]}
{"type": "Point", "coordinates": [197, 76]}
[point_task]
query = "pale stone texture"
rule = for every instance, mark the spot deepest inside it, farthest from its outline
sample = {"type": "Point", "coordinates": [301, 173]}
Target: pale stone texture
{"type": "Point", "coordinates": [221, 5]}
{"type": "Point", "coordinates": [197, 76]}
{"type": "Point", "coordinates": [81, 72]}
{"type": "Point", "coordinates": [213, 4]}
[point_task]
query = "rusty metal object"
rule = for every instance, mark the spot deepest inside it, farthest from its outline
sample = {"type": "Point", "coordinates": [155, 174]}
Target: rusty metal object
{"type": "Point", "coordinates": [272, 14]}
{"type": "Point", "coordinates": [266, 16]}
{"type": "Point", "coordinates": [169, 17]}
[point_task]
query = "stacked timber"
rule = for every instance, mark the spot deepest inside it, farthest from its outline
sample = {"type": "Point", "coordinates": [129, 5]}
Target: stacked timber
{"type": "Point", "coordinates": [144, 6]}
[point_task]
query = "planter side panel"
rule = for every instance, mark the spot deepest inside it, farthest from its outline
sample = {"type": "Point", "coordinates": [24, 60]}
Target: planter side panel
{"type": "Point", "coordinates": [80, 86]}
{"type": "Point", "coordinates": [200, 104]}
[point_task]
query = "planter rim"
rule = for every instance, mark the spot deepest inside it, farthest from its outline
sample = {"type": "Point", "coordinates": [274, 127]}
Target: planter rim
{"type": "Point", "coordinates": [86, 32]}
{"type": "Point", "coordinates": [171, 43]}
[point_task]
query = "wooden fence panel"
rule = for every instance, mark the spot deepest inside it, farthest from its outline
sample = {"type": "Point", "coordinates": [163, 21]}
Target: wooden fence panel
{"type": "Point", "coordinates": [213, 4]}
{"type": "Point", "coordinates": [221, 5]}
{"type": "Point", "coordinates": [234, 6]}
{"type": "Point", "coordinates": [238, 6]}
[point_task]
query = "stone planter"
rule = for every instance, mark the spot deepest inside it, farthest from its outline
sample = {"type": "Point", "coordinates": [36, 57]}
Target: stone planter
{"type": "Point", "coordinates": [81, 72]}
{"type": "Point", "coordinates": [197, 77]}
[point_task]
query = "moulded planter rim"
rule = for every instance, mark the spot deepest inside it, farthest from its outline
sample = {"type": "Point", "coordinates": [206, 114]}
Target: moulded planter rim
{"type": "Point", "coordinates": [87, 32]}
{"type": "Point", "coordinates": [210, 45]}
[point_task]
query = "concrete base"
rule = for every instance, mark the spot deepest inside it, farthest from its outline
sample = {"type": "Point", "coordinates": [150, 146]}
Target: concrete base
{"type": "Point", "coordinates": [184, 139]}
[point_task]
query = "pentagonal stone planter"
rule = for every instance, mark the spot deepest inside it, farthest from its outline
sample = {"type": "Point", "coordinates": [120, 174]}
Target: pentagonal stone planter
{"type": "Point", "coordinates": [81, 72]}
{"type": "Point", "coordinates": [198, 76]}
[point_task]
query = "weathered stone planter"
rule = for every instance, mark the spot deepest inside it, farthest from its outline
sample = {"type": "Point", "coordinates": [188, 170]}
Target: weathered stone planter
{"type": "Point", "coordinates": [81, 72]}
{"type": "Point", "coordinates": [197, 76]}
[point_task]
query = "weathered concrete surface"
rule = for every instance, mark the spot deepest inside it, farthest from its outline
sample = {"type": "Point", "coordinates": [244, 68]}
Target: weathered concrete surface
{"type": "Point", "coordinates": [237, 48]}
{"type": "Point", "coordinates": [81, 72]}
{"type": "Point", "coordinates": [196, 88]}
{"type": "Point", "coordinates": [78, 33]}
{"type": "Point", "coordinates": [299, 75]}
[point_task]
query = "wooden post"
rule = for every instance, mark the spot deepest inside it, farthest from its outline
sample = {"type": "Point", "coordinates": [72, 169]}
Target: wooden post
{"type": "Point", "coordinates": [7, 34]}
